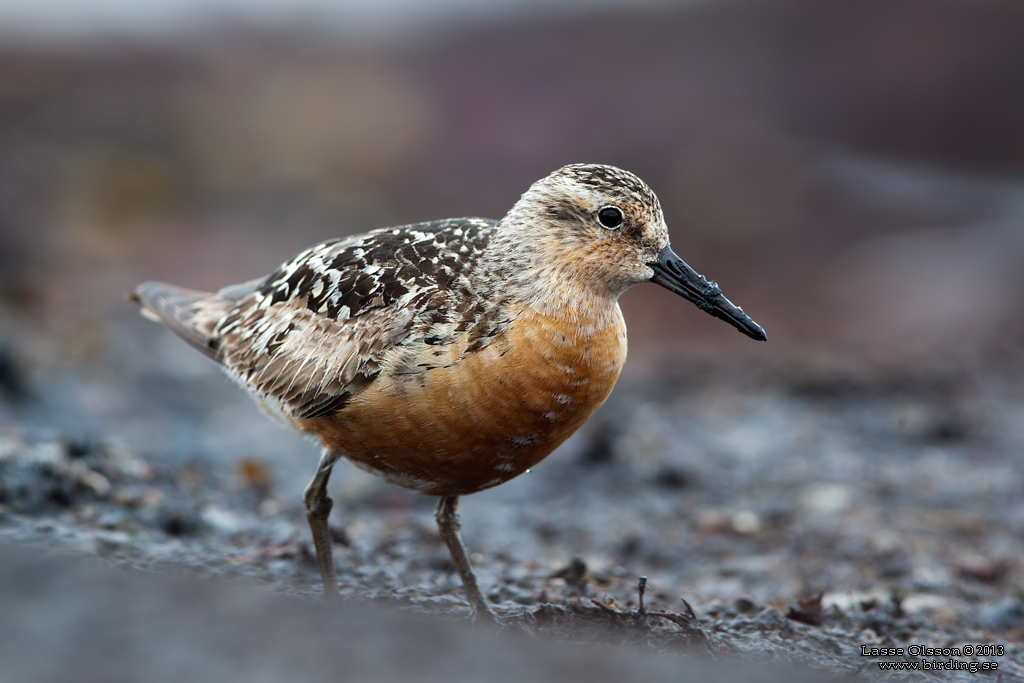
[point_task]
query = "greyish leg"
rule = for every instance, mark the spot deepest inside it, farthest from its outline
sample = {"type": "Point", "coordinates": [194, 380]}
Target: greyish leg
{"type": "Point", "coordinates": [448, 523]}
{"type": "Point", "coordinates": [318, 509]}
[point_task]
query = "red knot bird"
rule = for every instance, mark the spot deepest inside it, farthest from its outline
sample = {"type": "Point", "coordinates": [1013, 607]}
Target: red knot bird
{"type": "Point", "coordinates": [451, 356]}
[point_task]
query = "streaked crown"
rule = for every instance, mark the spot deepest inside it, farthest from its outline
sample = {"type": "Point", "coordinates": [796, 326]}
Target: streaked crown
{"type": "Point", "coordinates": [595, 225]}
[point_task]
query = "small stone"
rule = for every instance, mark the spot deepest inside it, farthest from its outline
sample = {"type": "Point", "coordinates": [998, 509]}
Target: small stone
{"type": "Point", "coordinates": [270, 507]}
{"type": "Point", "coordinates": [984, 569]}
{"type": "Point", "coordinates": [574, 574]}
{"type": "Point", "coordinates": [826, 499]}
{"type": "Point", "coordinates": [746, 605]}
{"type": "Point", "coordinates": [712, 521]}
{"type": "Point", "coordinates": [137, 497]}
{"type": "Point", "coordinates": [932, 578]}
{"type": "Point", "coordinates": [222, 520]}
{"type": "Point", "coordinates": [746, 523]}
{"type": "Point", "coordinates": [769, 619]}
{"type": "Point", "coordinates": [95, 482]}
{"type": "Point", "coordinates": [110, 519]}
{"type": "Point", "coordinates": [925, 602]}
{"type": "Point", "coordinates": [807, 610]}
{"type": "Point", "coordinates": [179, 519]}
{"type": "Point", "coordinates": [51, 453]}
{"type": "Point", "coordinates": [1005, 614]}
{"type": "Point", "coordinates": [672, 478]}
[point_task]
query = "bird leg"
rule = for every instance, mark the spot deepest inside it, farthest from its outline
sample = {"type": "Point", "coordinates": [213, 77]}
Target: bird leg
{"type": "Point", "coordinates": [318, 509]}
{"type": "Point", "coordinates": [448, 524]}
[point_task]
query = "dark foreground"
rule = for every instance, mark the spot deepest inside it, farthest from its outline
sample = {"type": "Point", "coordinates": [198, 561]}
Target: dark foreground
{"type": "Point", "coordinates": [778, 520]}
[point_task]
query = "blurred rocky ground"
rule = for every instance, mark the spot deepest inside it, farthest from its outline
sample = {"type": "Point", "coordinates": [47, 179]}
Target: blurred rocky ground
{"type": "Point", "coordinates": [65, 615]}
{"type": "Point", "coordinates": [851, 173]}
{"type": "Point", "coordinates": [798, 520]}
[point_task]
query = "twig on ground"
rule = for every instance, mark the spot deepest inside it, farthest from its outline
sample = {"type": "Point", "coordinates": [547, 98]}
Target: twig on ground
{"type": "Point", "coordinates": [641, 589]}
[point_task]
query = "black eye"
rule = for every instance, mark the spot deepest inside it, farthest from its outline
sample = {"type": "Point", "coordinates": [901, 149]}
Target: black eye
{"type": "Point", "coordinates": [610, 217]}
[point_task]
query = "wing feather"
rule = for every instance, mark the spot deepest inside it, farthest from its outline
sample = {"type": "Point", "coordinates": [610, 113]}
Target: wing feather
{"type": "Point", "coordinates": [315, 333]}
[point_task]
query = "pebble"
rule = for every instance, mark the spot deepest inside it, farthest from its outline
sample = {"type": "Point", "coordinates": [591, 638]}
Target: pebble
{"type": "Point", "coordinates": [769, 619]}
{"type": "Point", "coordinates": [826, 499]}
{"type": "Point", "coordinates": [95, 482]}
{"type": "Point", "coordinates": [1005, 614]}
{"type": "Point", "coordinates": [746, 523]}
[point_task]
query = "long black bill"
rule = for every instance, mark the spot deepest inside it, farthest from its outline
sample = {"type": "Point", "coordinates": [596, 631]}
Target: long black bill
{"type": "Point", "coordinates": [672, 273]}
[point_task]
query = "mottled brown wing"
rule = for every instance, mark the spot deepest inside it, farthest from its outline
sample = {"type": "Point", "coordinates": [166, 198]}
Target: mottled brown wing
{"type": "Point", "coordinates": [314, 333]}
{"type": "Point", "coordinates": [308, 364]}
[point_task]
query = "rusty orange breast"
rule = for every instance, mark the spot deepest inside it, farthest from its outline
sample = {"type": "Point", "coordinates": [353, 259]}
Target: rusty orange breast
{"type": "Point", "coordinates": [482, 418]}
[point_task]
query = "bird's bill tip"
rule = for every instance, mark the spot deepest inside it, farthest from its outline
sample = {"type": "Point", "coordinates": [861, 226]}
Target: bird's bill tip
{"type": "Point", "coordinates": [672, 273]}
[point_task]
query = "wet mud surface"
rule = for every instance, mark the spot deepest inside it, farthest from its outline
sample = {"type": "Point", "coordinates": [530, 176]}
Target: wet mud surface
{"type": "Point", "coordinates": [776, 518]}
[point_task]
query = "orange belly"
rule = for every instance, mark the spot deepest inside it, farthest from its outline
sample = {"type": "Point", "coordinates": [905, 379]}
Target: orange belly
{"type": "Point", "coordinates": [481, 418]}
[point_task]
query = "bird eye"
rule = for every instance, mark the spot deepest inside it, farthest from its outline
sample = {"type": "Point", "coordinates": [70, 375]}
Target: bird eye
{"type": "Point", "coordinates": [610, 217]}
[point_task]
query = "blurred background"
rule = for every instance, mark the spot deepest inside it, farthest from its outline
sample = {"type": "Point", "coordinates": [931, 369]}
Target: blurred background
{"type": "Point", "coordinates": [851, 173]}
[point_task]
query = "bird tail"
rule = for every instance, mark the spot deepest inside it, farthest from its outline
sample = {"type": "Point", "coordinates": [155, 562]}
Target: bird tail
{"type": "Point", "coordinates": [190, 314]}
